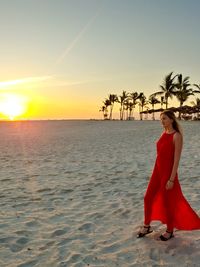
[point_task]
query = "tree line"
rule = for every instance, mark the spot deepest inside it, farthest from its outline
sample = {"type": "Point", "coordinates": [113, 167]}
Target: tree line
{"type": "Point", "coordinates": [172, 86]}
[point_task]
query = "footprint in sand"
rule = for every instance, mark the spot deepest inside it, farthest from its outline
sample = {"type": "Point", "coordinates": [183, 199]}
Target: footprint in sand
{"type": "Point", "coordinates": [59, 232]}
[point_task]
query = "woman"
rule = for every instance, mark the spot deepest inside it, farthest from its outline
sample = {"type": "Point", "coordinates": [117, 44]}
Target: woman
{"type": "Point", "coordinates": [163, 199]}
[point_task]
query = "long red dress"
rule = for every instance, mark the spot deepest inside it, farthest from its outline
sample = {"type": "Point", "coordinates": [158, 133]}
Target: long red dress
{"type": "Point", "coordinates": [168, 206]}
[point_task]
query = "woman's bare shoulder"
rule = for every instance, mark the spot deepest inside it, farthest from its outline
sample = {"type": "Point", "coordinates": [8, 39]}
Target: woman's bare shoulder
{"type": "Point", "coordinates": [178, 137]}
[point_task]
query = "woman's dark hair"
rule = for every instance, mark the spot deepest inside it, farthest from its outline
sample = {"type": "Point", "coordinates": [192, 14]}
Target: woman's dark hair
{"type": "Point", "coordinates": [175, 124]}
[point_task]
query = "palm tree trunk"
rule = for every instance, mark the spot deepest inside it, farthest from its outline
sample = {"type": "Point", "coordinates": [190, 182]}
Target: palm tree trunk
{"type": "Point", "coordinates": [141, 115]}
{"type": "Point", "coordinates": [103, 114]}
{"type": "Point", "coordinates": [131, 112]}
{"type": "Point", "coordinates": [122, 111]}
{"type": "Point", "coordinates": [111, 108]}
{"type": "Point", "coordinates": [179, 115]}
{"type": "Point", "coordinates": [153, 115]}
{"type": "Point", "coordinates": [166, 102]}
{"type": "Point", "coordinates": [120, 114]}
{"type": "Point", "coordinates": [106, 114]}
{"type": "Point", "coordinates": [140, 111]}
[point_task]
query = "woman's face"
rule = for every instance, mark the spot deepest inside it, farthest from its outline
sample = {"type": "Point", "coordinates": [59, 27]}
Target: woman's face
{"type": "Point", "coordinates": [166, 121]}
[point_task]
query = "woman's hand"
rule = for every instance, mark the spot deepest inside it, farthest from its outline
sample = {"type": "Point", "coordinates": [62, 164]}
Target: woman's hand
{"type": "Point", "coordinates": [169, 184]}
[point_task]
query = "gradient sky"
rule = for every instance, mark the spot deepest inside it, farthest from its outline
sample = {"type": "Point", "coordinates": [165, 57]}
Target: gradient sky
{"type": "Point", "coordinates": [64, 57]}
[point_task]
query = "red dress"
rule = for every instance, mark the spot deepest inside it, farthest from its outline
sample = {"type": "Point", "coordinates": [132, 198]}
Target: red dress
{"type": "Point", "coordinates": [168, 206]}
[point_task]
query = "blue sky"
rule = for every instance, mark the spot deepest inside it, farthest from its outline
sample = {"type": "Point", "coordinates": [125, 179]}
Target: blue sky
{"type": "Point", "coordinates": [90, 48]}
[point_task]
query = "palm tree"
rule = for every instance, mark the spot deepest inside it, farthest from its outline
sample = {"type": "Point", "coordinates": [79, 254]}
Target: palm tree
{"type": "Point", "coordinates": [182, 91]}
{"type": "Point", "coordinates": [162, 101]}
{"type": "Point", "coordinates": [198, 88]}
{"type": "Point", "coordinates": [196, 104]}
{"type": "Point", "coordinates": [112, 98]}
{"type": "Point", "coordinates": [142, 103]}
{"type": "Point", "coordinates": [134, 97]}
{"type": "Point", "coordinates": [126, 107]}
{"type": "Point", "coordinates": [104, 108]}
{"type": "Point", "coordinates": [131, 107]}
{"type": "Point", "coordinates": [122, 99]}
{"type": "Point", "coordinates": [153, 100]}
{"type": "Point", "coordinates": [167, 88]}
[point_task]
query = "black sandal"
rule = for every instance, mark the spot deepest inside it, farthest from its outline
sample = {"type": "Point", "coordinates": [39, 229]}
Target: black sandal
{"type": "Point", "coordinates": [140, 234]}
{"type": "Point", "coordinates": [163, 238]}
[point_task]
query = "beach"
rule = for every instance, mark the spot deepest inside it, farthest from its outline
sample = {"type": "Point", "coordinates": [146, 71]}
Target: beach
{"type": "Point", "coordinates": [72, 194]}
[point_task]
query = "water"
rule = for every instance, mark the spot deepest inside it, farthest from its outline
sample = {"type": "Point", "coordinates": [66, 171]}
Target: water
{"type": "Point", "coordinates": [70, 188]}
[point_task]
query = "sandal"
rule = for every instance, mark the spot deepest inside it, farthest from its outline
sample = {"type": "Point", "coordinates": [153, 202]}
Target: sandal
{"type": "Point", "coordinates": [163, 238]}
{"type": "Point", "coordinates": [140, 234]}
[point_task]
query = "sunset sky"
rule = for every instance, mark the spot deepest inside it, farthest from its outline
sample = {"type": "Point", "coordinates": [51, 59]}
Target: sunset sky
{"type": "Point", "coordinates": [61, 58]}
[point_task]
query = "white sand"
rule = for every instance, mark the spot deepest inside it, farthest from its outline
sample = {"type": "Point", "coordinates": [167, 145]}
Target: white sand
{"type": "Point", "coordinates": [72, 194]}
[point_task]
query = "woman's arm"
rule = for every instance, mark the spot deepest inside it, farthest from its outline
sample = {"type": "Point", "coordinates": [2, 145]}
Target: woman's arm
{"type": "Point", "coordinates": [178, 143]}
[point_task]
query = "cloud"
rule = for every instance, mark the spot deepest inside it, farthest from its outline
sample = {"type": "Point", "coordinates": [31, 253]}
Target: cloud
{"type": "Point", "coordinates": [60, 82]}
{"type": "Point", "coordinates": [8, 84]}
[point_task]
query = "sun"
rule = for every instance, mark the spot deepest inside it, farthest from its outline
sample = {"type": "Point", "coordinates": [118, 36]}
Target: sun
{"type": "Point", "coordinates": [12, 105]}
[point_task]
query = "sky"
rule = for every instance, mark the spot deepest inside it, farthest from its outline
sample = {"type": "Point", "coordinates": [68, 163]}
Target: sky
{"type": "Point", "coordinates": [60, 59]}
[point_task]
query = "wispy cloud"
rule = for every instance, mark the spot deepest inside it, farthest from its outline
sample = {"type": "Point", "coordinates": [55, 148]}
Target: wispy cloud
{"type": "Point", "coordinates": [77, 38]}
{"type": "Point", "coordinates": [59, 82]}
{"type": "Point", "coordinates": [47, 81]}
{"type": "Point", "coordinates": [8, 84]}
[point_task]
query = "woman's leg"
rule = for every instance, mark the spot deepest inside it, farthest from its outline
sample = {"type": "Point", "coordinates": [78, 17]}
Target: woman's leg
{"type": "Point", "coordinates": [151, 191]}
{"type": "Point", "coordinates": [170, 227]}
{"type": "Point", "coordinates": [170, 201]}
{"type": "Point", "coordinates": [171, 208]}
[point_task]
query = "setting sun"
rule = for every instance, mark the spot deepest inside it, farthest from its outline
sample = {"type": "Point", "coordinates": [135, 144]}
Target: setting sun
{"type": "Point", "coordinates": [12, 105]}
